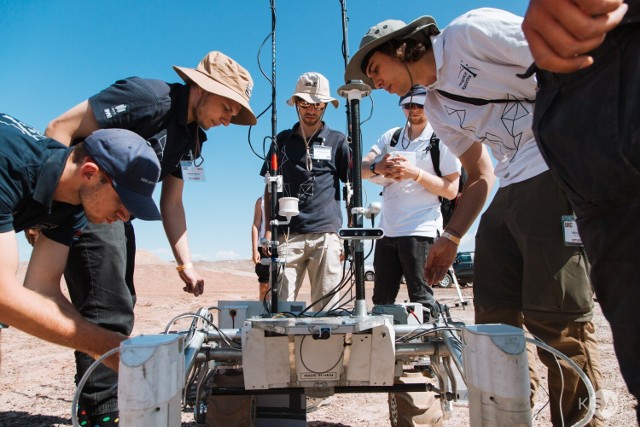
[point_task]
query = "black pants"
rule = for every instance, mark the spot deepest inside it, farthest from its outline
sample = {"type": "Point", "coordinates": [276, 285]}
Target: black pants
{"type": "Point", "coordinates": [397, 256]}
{"type": "Point", "coordinates": [587, 125]}
{"type": "Point", "coordinates": [99, 276]}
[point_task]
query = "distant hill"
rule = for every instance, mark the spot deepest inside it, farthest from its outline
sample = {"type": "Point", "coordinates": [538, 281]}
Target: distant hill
{"type": "Point", "coordinates": [146, 257]}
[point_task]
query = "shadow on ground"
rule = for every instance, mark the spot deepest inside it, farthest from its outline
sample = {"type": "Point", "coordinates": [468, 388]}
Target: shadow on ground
{"type": "Point", "coordinates": [19, 418]}
{"type": "Point", "coordinates": [25, 419]}
{"type": "Point", "coordinates": [325, 424]}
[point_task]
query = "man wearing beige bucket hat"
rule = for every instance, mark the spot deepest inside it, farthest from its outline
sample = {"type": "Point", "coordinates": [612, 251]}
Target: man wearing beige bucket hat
{"type": "Point", "coordinates": [526, 273]}
{"type": "Point", "coordinates": [313, 160]}
{"type": "Point", "coordinates": [172, 117]}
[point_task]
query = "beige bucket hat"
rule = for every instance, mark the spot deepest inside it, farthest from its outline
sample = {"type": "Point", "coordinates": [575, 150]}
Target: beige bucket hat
{"type": "Point", "coordinates": [420, 29]}
{"type": "Point", "coordinates": [314, 88]}
{"type": "Point", "coordinates": [219, 74]}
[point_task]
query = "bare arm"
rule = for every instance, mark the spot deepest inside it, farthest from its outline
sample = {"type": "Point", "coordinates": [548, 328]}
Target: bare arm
{"type": "Point", "coordinates": [383, 167]}
{"type": "Point", "coordinates": [175, 227]}
{"type": "Point", "coordinates": [255, 230]}
{"type": "Point", "coordinates": [561, 32]}
{"type": "Point", "coordinates": [39, 308]}
{"type": "Point", "coordinates": [398, 168]}
{"type": "Point", "coordinates": [476, 190]}
{"type": "Point", "coordinates": [366, 164]}
{"type": "Point", "coordinates": [78, 122]}
{"type": "Point", "coordinates": [442, 186]}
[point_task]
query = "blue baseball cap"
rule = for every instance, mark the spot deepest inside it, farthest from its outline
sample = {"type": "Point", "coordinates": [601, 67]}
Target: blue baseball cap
{"type": "Point", "coordinates": [133, 166]}
{"type": "Point", "coordinates": [416, 95]}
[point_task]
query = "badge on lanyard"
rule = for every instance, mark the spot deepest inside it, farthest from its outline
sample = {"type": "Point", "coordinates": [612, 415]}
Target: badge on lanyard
{"type": "Point", "coordinates": [191, 172]}
{"type": "Point", "coordinates": [321, 152]}
{"type": "Point", "coordinates": [570, 231]}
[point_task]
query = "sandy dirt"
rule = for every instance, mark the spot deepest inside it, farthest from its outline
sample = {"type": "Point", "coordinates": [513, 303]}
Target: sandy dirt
{"type": "Point", "coordinates": [36, 378]}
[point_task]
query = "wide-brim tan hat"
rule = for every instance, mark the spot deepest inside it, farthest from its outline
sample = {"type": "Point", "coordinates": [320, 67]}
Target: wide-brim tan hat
{"type": "Point", "coordinates": [219, 74]}
{"type": "Point", "coordinates": [421, 29]}
{"type": "Point", "coordinates": [314, 88]}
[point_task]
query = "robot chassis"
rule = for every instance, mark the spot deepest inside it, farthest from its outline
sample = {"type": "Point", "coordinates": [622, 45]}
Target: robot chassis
{"type": "Point", "coordinates": [292, 353]}
{"type": "Point", "coordinates": [319, 356]}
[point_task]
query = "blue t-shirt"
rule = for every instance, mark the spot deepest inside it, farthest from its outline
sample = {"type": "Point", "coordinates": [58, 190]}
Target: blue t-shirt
{"type": "Point", "coordinates": [318, 189]}
{"type": "Point", "coordinates": [30, 169]}
{"type": "Point", "coordinates": [155, 110]}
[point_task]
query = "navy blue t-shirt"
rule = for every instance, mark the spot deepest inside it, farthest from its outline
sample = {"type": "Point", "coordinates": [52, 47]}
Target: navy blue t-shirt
{"type": "Point", "coordinates": [318, 189]}
{"type": "Point", "coordinates": [155, 110]}
{"type": "Point", "coordinates": [30, 169]}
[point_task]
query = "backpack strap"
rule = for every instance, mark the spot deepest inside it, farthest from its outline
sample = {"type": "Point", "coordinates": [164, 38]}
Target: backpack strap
{"type": "Point", "coordinates": [395, 137]}
{"type": "Point", "coordinates": [479, 101]}
{"type": "Point", "coordinates": [434, 149]}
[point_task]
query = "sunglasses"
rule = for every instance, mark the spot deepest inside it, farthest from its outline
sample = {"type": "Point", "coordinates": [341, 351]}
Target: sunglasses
{"type": "Point", "coordinates": [410, 106]}
{"type": "Point", "coordinates": [317, 107]}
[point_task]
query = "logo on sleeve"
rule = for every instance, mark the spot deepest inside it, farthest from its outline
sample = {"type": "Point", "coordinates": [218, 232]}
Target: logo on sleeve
{"type": "Point", "coordinates": [112, 111]}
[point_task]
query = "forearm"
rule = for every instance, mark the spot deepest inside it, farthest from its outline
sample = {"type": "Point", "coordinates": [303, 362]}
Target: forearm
{"type": "Point", "coordinates": [45, 318]}
{"type": "Point", "coordinates": [477, 162]}
{"type": "Point", "coordinates": [175, 228]}
{"type": "Point", "coordinates": [174, 219]}
{"type": "Point", "coordinates": [474, 196]}
{"type": "Point", "coordinates": [365, 169]}
{"type": "Point", "coordinates": [440, 186]}
{"type": "Point", "coordinates": [365, 165]}
{"type": "Point", "coordinates": [254, 242]}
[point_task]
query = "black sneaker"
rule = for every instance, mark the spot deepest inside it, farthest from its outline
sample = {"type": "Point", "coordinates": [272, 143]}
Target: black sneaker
{"type": "Point", "coordinates": [102, 420]}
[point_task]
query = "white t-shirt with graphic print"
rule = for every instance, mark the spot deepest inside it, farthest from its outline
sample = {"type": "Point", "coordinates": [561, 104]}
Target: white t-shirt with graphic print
{"type": "Point", "coordinates": [478, 56]}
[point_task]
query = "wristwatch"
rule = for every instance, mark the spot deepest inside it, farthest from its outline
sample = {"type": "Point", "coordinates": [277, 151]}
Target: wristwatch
{"type": "Point", "coordinates": [372, 168]}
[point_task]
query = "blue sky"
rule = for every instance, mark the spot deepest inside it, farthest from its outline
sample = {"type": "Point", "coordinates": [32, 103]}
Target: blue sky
{"type": "Point", "coordinates": [55, 54]}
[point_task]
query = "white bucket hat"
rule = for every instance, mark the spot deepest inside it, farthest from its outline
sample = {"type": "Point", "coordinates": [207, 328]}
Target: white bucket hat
{"type": "Point", "coordinates": [313, 88]}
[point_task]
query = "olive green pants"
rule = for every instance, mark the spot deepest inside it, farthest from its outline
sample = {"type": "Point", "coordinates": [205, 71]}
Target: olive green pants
{"type": "Point", "coordinates": [526, 276]}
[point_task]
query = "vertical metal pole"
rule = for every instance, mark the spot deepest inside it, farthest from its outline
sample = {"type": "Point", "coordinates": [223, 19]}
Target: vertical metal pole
{"type": "Point", "coordinates": [356, 218]}
{"type": "Point", "coordinates": [345, 55]}
{"type": "Point", "coordinates": [353, 91]}
{"type": "Point", "coordinates": [348, 187]}
{"type": "Point", "coordinates": [273, 167]}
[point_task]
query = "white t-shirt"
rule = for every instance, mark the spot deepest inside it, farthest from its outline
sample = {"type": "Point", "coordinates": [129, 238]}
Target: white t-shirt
{"type": "Point", "coordinates": [478, 56]}
{"type": "Point", "coordinates": [408, 209]}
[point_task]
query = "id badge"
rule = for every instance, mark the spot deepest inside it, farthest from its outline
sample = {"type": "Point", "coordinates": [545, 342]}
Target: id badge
{"type": "Point", "coordinates": [570, 231]}
{"type": "Point", "coordinates": [321, 152]}
{"type": "Point", "coordinates": [191, 172]}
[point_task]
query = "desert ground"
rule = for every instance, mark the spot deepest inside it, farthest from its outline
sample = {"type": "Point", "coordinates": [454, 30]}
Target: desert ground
{"type": "Point", "coordinates": [36, 378]}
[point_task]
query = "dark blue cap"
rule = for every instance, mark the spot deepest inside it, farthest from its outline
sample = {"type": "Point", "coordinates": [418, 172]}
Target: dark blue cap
{"type": "Point", "coordinates": [133, 166]}
{"type": "Point", "coordinates": [416, 95]}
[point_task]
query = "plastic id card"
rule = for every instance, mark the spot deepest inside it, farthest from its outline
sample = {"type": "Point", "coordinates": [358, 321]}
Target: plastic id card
{"type": "Point", "coordinates": [320, 152]}
{"type": "Point", "coordinates": [570, 231]}
{"type": "Point", "coordinates": [191, 172]}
